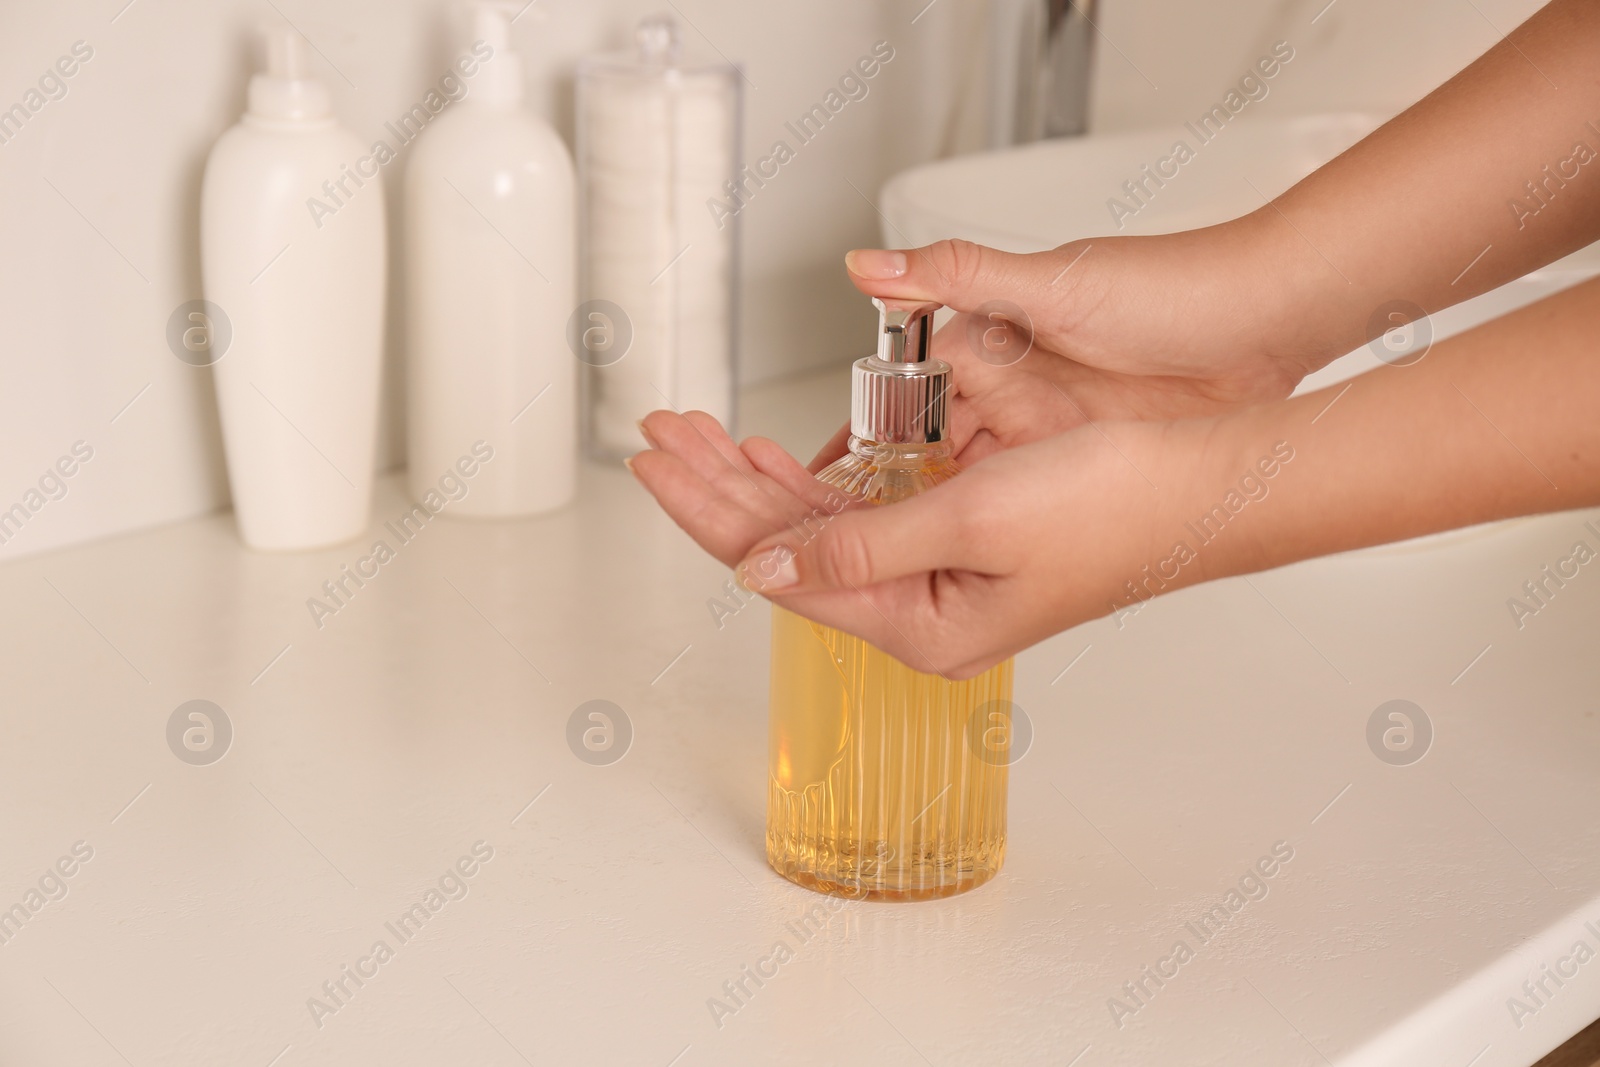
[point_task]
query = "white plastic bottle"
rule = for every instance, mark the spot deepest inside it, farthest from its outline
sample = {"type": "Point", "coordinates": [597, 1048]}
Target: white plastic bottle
{"type": "Point", "coordinates": [292, 251]}
{"type": "Point", "coordinates": [490, 284]}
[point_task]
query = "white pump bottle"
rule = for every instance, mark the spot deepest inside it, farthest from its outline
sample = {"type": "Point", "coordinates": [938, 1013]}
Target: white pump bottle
{"type": "Point", "coordinates": [292, 251]}
{"type": "Point", "coordinates": [490, 284]}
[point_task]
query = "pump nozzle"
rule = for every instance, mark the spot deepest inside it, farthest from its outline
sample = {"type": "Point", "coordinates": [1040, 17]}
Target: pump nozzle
{"type": "Point", "coordinates": [900, 395]}
{"type": "Point", "coordinates": [285, 90]}
{"type": "Point", "coordinates": [499, 80]}
{"type": "Point", "coordinates": [288, 54]}
{"type": "Point", "coordinates": [904, 330]}
{"type": "Point", "coordinates": [490, 25]}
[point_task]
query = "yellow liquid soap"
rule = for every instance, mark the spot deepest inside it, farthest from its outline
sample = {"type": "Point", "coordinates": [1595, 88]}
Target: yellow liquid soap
{"type": "Point", "coordinates": [886, 782]}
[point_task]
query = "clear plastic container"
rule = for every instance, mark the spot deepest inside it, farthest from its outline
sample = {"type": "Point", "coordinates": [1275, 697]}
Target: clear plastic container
{"type": "Point", "coordinates": [658, 143]}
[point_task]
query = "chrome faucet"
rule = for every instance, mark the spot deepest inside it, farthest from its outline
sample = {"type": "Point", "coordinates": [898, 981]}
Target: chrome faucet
{"type": "Point", "coordinates": [1041, 52]}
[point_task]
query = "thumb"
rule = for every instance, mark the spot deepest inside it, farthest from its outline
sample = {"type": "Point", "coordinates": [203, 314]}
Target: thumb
{"type": "Point", "coordinates": [958, 274]}
{"type": "Point", "coordinates": [861, 547]}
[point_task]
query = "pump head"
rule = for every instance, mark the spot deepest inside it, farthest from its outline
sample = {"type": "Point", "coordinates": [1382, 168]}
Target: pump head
{"type": "Point", "coordinates": [900, 395]}
{"type": "Point", "coordinates": [286, 90]}
{"type": "Point", "coordinates": [490, 25]}
{"type": "Point", "coordinates": [499, 78]}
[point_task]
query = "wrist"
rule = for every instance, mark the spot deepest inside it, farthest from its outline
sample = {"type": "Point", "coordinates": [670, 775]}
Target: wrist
{"type": "Point", "coordinates": [1179, 470]}
{"type": "Point", "coordinates": [1287, 283]}
{"type": "Point", "coordinates": [1307, 312]}
{"type": "Point", "coordinates": [1230, 467]}
{"type": "Point", "coordinates": [1237, 302]}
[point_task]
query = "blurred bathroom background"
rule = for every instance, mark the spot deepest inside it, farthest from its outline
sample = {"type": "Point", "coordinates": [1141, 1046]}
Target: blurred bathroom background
{"type": "Point", "coordinates": [99, 192]}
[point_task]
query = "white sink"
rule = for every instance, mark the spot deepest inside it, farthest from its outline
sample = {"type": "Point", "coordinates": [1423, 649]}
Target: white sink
{"type": "Point", "coordinates": [1041, 195]}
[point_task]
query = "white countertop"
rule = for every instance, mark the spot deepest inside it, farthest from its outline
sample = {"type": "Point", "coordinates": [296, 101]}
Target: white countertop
{"type": "Point", "coordinates": [431, 711]}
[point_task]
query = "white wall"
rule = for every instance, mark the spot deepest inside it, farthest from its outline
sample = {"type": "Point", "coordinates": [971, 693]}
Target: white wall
{"type": "Point", "coordinates": [1173, 57]}
{"type": "Point", "coordinates": [98, 203]}
{"type": "Point", "coordinates": [98, 193]}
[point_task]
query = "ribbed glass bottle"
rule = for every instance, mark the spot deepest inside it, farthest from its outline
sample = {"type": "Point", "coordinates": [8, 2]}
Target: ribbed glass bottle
{"type": "Point", "coordinates": [885, 782]}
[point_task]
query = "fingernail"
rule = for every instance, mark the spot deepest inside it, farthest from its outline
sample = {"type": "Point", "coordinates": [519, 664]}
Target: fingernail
{"type": "Point", "coordinates": [627, 461]}
{"type": "Point", "coordinates": [644, 433]}
{"type": "Point", "coordinates": [875, 263]}
{"type": "Point", "coordinates": [769, 571]}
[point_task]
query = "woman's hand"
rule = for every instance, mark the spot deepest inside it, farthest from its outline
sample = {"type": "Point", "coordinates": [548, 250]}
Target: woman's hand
{"type": "Point", "coordinates": [1107, 329]}
{"type": "Point", "coordinates": [1495, 422]}
{"type": "Point", "coordinates": [1032, 541]}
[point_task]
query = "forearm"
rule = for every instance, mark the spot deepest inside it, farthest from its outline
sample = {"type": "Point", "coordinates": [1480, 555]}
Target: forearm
{"type": "Point", "coordinates": [1497, 422]}
{"type": "Point", "coordinates": [1425, 209]}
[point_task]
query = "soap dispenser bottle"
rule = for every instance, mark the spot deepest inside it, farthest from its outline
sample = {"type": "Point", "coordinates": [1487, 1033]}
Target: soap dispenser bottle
{"type": "Point", "coordinates": [885, 782]}
{"type": "Point", "coordinates": [491, 280]}
{"type": "Point", "coordinates": [292, 252]}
